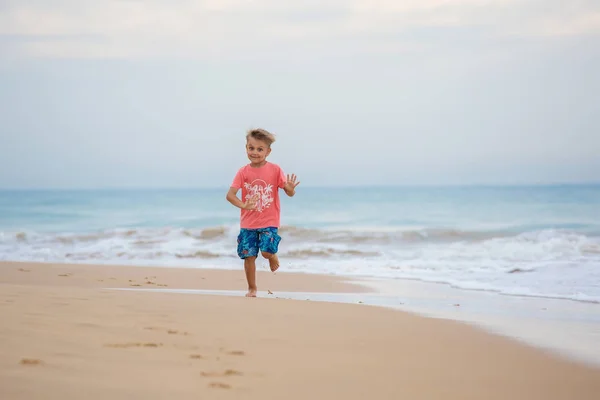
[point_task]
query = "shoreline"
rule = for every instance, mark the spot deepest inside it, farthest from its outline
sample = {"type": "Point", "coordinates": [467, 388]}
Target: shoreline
{"type": "Point", "coordinates": [568, 328]}
{"type": "Point", "coordinates": [188, 277]}
{"type": "Point", "coordinates": [70, 329]}
{"type": "Point", "coordinates": [356, 279]}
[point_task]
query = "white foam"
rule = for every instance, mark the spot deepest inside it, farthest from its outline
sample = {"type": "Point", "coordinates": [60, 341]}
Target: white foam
{"type": "Point", "coordinates": [547, 263]}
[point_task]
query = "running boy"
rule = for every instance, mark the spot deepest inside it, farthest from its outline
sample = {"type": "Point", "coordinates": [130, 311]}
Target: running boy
{"type": "Point", "coordinates": [260, 209]}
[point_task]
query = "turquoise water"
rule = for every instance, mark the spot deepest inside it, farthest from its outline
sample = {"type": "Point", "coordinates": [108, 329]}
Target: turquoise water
{"type": "Point", "coordinates": [528, 240]}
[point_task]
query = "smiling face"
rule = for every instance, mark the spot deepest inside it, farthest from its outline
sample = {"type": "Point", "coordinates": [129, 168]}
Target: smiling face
{"type": "Point", "coordinates": [257, 151]}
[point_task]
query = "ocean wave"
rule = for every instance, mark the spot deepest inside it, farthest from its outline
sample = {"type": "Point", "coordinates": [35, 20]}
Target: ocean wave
{"type": "Point", "coordinates": [329, 252]}
{"type": "Point", "coordinates": [145, 236]}
{"type": "Point", "coordinates": [198, 254]}
{"type": "Point", "coordinates": [545, 244]}
{"type": "Point", "coordinates": [149, 255]}
{"type": "Point", "coordinates": [547, 262]}
{"type": "Point", "coordinates": [328, 243]}
{"type": "Point", "coordinates": [527, 240]}
{"type": "Point", "coordinates": [362, 235]}
{"type": "Point", "coordinates": [140, 236]}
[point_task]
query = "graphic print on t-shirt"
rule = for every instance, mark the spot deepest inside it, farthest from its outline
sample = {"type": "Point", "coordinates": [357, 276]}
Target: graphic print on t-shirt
{"type": "Point", "coordinates": [261, 191]}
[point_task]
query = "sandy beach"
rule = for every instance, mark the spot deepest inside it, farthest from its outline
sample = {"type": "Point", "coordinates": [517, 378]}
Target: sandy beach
{"type": "Point", "coordinates": [67, 334]}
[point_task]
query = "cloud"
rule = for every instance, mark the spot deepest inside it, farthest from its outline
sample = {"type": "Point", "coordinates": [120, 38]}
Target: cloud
{"type": "Point", "coordinates": [223, 28]}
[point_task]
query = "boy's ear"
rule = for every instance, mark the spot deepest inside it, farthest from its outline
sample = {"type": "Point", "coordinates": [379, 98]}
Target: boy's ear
{"type": "Point", "coordinates": [268, 151]}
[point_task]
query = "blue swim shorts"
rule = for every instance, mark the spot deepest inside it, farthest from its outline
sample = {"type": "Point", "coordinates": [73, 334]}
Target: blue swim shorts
{"type": "Point", "coordinates": [250, 241]}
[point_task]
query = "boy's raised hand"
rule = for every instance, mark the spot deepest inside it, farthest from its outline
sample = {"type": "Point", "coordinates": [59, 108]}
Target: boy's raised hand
{"type": "Point", "coordinates": [291, 182]}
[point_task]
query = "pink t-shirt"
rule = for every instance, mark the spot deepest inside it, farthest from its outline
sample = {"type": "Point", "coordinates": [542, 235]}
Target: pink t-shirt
{"type": "Point", "coordinates": [265, 182]}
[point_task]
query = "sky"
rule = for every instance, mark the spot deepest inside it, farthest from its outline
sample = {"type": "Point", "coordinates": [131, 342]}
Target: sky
{"type": "Point", "coordinates": [157, 93]}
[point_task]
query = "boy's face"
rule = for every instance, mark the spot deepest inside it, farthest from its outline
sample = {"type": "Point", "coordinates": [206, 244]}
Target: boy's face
{"type": "Point", "coordinates": [257, 151]}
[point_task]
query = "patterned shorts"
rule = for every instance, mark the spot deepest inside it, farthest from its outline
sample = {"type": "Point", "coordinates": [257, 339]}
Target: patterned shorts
{"type": "Point", "coordinates": [250, 241]}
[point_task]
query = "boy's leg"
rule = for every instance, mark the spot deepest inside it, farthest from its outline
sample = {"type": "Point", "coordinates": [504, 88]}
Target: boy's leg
{"type": "Point", "coordinates": [248, 251]}
{"type": "Point", "coordinates": [250, 268]}
{"type": "Point", "coordinates": [273, 260]}
{"type": "Point", "coordinates": [269, 245]}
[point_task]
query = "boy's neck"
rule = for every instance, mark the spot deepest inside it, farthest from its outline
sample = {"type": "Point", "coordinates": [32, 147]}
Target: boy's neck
{"type": "Point", "coordinates": [261, 164]}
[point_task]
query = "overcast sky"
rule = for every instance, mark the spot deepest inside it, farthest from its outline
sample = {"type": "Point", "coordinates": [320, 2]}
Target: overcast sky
{"type": "Point", "coordinates": [159, 93]}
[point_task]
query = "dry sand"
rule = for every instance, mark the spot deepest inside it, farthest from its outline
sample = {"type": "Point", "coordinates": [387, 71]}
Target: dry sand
{"type": "Point", "coordinates": [64, 336]}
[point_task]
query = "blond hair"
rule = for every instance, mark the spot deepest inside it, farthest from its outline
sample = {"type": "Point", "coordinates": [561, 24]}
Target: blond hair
{"type": "Point", "coordinates": [261, 134]}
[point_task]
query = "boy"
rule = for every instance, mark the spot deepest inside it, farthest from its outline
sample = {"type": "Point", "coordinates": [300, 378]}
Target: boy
{"type": "Point", "coordinates": [260, 208]}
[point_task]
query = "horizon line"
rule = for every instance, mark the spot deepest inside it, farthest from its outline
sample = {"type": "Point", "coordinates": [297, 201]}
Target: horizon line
{"type": "Point", "coordinates": [418, 185]}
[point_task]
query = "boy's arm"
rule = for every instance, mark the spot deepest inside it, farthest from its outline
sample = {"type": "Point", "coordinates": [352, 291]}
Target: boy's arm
{"type": "Point", "coordinates": [289, 191]}
{"type": "Point", "coordinates": [290, 185]}
{"type": "Point", "coordinates": [233, 199]}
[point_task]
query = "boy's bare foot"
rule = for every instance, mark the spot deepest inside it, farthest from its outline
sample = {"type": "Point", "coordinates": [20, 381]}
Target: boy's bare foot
{"type": "Point", "coordinates": [251, 293]}
{"type": "Point", "coordinates": [274, 263]}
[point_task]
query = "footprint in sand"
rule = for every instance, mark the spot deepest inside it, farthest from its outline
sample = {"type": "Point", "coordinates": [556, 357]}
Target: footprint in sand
{"type": "Point", "coordinates": [235, 352]}
{"type": "Point", "coordinates": [169, 331]}
{"type": "Point", "coordinates": [174, 332]}
{"type": "Point", "coordinates": [228, 372]}
{"type": "Point", "coordinates": [150, 280]}
{"type": "Point", "coordinates": [128, 345]}
{"type": "Point", "coordinates": [24, 270]}
{"type": "Point", "coordinates": [219, 385]}
{"type": "Point", "coordinates": [64, 275]}
{"type": "Point", "coordinates": [196, 356]}
{"type": "Point", "coordinates": [31, 361]}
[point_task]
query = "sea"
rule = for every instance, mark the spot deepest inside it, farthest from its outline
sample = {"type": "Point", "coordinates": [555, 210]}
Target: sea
{"type": "Point", "coordinates": [534, 241]}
